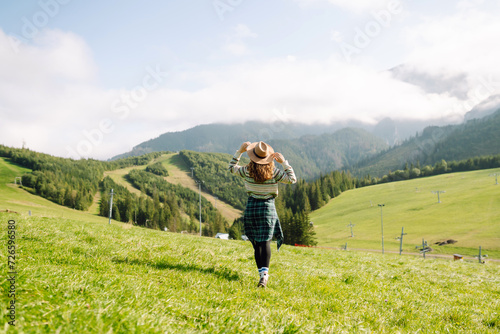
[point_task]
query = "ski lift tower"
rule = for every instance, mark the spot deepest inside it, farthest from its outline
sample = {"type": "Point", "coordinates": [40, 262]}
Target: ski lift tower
{"type": "Point", "coordinates": [496, 177]}
{"type": "Point", "coordinates": [351, 225]}
{"type": "Point", "coordinates": [382, 225]}
{"type": "Point", "coordinates": [438, 192]}
{"type": "Point", "coordinates": [400, 238]}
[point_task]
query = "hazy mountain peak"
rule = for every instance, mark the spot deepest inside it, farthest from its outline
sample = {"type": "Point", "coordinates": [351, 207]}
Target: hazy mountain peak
{"type": "Point", "coordinates": [485, 108]}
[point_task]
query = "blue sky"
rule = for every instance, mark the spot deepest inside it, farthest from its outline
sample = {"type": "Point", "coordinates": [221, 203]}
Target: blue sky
{"type": "Point", "coordinates": [93, 79]}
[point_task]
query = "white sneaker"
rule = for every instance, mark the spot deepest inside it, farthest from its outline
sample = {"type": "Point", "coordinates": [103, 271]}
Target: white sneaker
{"type": "Point", "coordinates": [263, 280]}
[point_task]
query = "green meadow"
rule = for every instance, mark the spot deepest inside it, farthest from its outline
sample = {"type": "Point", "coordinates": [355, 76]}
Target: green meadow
{"type": "Point", "coordinates": [469, 213]}
{"type": "Point", "coordinates": [78, 274]}
{"type": "Point", "coordinates": [90, 277]}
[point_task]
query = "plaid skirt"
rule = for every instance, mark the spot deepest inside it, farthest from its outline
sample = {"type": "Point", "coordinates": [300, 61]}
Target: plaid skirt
{"type": "Point", "coordinates": [261, 221]}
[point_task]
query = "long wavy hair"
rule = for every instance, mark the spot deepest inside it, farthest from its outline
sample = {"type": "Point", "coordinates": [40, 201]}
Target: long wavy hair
{"type": "Point", "coordinates": [261, 173]}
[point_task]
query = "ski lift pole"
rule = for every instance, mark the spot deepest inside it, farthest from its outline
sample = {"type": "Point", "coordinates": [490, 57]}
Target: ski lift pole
{"type": "Point", "coordinates": [401, 240]}
{"type": "Point", "coordinates": [110, 206]}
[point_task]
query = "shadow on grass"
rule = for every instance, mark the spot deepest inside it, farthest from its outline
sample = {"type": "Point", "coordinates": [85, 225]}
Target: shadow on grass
{"type": "Point", "coordinates": [222, 272]}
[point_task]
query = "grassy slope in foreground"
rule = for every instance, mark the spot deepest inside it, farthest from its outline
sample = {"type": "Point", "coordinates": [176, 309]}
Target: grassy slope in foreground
{"type": "Point", "coordinates": [469, 212]}
{"type": "Point", "coordinates": [82, 277]}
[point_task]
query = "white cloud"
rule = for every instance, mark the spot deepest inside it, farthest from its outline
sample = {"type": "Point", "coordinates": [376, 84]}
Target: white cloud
{"type": "Point", "coordinates": [235, 42]}
{"type": "Point", "coordinates": [47, 91]}
{"type": "Point", "coordinates": [462, 45]}
{"type": "Point", "coordinates": [312, 91]}
{"type": "Point", "coordinates": [469, 4]}
{"type": "Point", "coordinates": [49, 94]}
{"type": "Point", "coordinates": [336, 36]}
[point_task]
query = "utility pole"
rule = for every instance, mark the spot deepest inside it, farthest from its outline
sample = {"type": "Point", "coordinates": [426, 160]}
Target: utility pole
{"type": "Point", "coordinates": [438, 192]}
{"type": "Point", "coordinates": [401, 240]}
{"type": "Point", "coordinates": [199, 187]}
{"type": "Point", "coordinates": [351, 225]}
{"type": "Point", "coordinates": [110, 206]}
{"type": "Point", "coordinates": [382, 225]}
{"type": "Point", "coordinates": [192, 172]}
{"type": "Point", "coordinates": [425, 247]}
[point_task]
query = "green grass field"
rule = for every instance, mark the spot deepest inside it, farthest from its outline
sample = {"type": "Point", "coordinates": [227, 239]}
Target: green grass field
{"type": "Point", "coordinates": [78, 274]}
{"type": "Point", "coordinates": [469, 212]}
{"type": "Point", "coordinates": [90, 277]}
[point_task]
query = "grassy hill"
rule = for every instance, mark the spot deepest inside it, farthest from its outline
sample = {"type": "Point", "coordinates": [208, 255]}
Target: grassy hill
{"type": "Point", "coordinates": [77, 274]}
{"type": "Point", "coordinates": [180, 176]}
{"type": "Point", "coordinates": [16, 199]}
{"type": "Point", "coordinates": [469, 213]}
{"type": "Point", "coordinates": [179, 173]}
{"type": "Point", "coordinates": [79, 277]}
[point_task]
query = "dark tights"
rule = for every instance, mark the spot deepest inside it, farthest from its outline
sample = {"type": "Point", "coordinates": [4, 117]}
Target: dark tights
{"type": "Point", "coordinates": [262, 253]}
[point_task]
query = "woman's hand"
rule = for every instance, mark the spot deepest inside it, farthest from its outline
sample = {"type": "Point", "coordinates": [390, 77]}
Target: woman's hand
{"type": "Point", "coordinates": [243, 147]}
{"type": "Point", "coordinates": [279, 157]}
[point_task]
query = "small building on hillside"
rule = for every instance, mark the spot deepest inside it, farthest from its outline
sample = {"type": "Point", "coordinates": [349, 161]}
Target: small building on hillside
{"type": "Point", "coordinates": [224, 236]}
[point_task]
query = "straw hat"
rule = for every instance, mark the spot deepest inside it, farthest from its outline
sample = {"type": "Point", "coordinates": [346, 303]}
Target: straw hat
{"type": "Point", "coordinates": [260, 153]}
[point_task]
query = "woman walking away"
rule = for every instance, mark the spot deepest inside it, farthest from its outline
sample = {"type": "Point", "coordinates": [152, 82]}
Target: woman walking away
{"type": "Point", "coordinates": [260, 219]}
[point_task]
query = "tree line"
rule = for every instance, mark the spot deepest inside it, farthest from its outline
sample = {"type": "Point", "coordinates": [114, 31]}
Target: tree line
{"type": "Point", "coordinates": [185, 199]}
{"type": "Point", "coordinates": [67, 182]}
{"type": "Point", "coordinates": [143, 210]}
{"type": "Point", "coordinates": [164, 205]}
{"type": "Point", "coordinates": [414, 170]}
{"type": "Point", "coordinates": [211, 168]}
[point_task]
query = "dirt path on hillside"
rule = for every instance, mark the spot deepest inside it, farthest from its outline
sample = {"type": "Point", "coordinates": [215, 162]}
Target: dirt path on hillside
{"type": "Point", "coordinates": [94, 208]}
{"type": "Point", "coordinates": [179, 173]}
{"type": "Point", "coordinates": [118, 176]}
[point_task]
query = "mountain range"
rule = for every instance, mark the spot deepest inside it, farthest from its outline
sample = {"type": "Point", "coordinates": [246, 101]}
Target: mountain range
{"type": "Point", "coordinates": [474, 138]}
{"type": "Point", "coordinates": [359, 147]}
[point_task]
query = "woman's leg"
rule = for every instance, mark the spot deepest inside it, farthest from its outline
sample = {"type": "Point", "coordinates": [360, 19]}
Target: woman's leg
{"type": "Point", "coordinates": [262, 251]}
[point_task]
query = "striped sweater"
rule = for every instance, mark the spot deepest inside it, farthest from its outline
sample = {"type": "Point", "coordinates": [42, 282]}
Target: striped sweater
{"type": "Point", "coordinates": [268, 188]}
